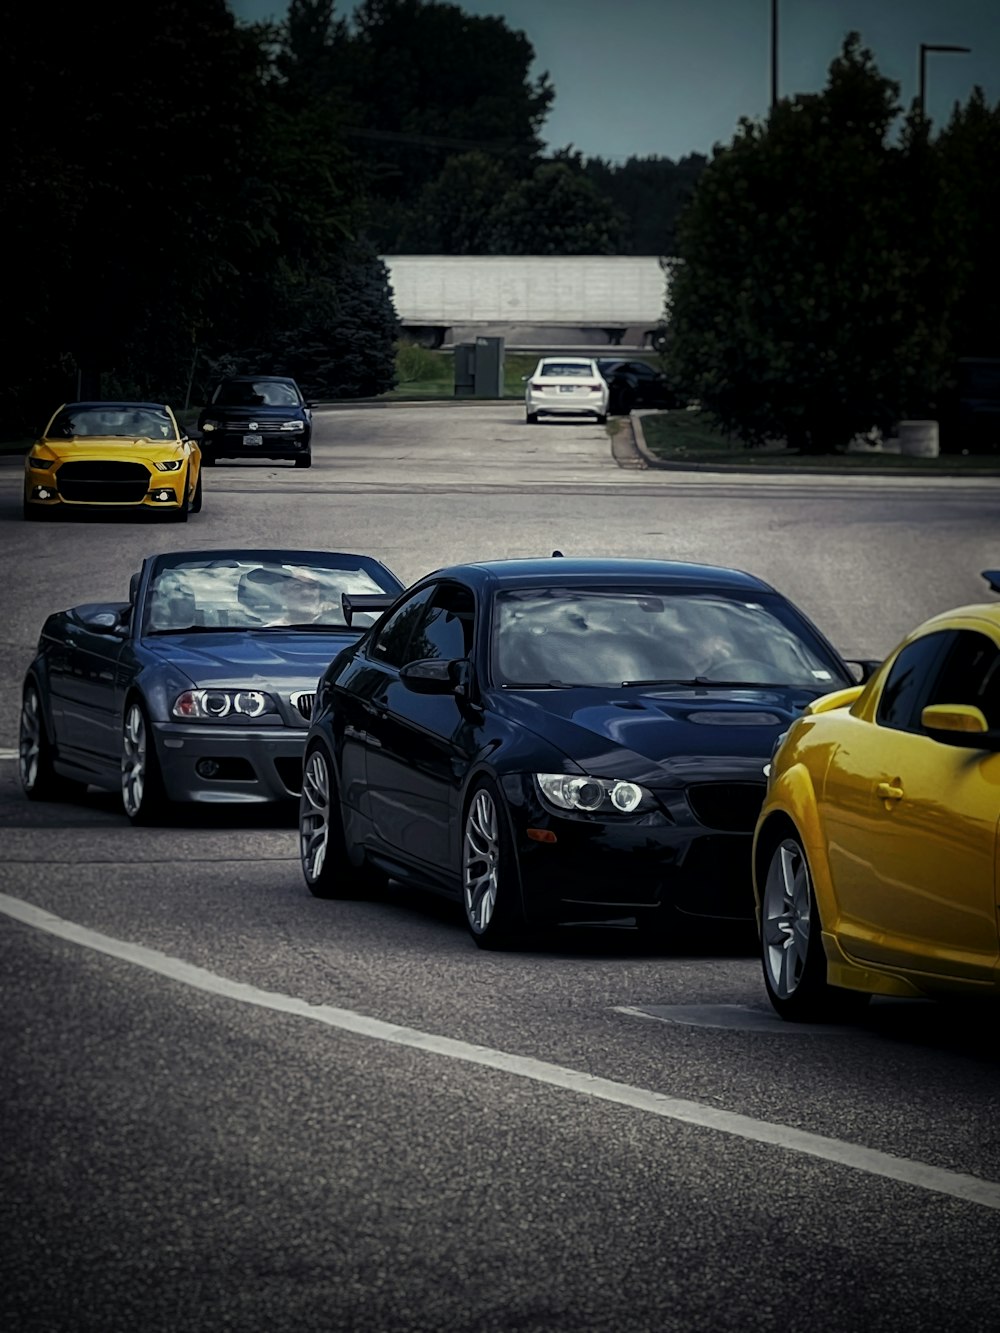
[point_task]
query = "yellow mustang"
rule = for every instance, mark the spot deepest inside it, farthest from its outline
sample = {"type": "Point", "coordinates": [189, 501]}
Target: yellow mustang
{"type": "Point", "coordinates": [113, 454]}
{"type": "Point", "coordinates": [875, 858]}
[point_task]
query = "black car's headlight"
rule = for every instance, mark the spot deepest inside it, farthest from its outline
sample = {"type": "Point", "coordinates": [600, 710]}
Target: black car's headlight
{"type": "Point", "coordinates": [170, 465]}
{"type": "Point", "coordinates": [293, 425]}
{"type": "Point", "coordinates": [200, 704]}
{"type": "Point", "coordinates": [210, 425]}
{"type": "Point", "coordinates": [594, 795]}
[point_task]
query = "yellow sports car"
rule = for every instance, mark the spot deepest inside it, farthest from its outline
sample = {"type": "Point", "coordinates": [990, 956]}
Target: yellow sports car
{"type": "Point", "coordinates": [875, 858]}
{"type": "Point", "coordinates": [113, 455]}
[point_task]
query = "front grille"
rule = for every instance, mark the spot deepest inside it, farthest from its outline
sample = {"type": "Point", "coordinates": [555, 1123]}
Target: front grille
{"type": "Point", "coordinates": [303, 704]}
{"type": "Point", "coordinates": [103, 481]}
{"type": "Point", "coordinates": [731, 807]}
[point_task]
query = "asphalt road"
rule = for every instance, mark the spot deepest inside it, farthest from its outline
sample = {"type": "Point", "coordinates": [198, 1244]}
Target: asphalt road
{"type": "Point", "coordinates": [227, 1105]}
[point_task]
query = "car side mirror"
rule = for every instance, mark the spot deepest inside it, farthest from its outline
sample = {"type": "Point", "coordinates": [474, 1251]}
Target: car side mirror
{"type": "Point", "coordinates": [959, 724]}
{"type": "Point", "coordinates": [862, 668]}
{"type": "Point", "coordinates": [133, 589]}
{"type": "Point", "coordinates": [432, 675]}
{"type": "Point", "coordinates": [310, 405]}
{"type": "Point", "coordinates": [105, 620]}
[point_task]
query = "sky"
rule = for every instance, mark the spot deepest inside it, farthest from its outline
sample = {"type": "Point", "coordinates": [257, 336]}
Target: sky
{"type": "Point", "coordinates": [641, 78]}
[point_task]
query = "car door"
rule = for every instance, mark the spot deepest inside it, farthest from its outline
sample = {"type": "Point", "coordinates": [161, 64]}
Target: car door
{"type": "Point", "coordinates": [915, 863]}
{"type": "Point", "coordinates": [83, 676]}
{"type": "Point", "coordinates": [421, 745]}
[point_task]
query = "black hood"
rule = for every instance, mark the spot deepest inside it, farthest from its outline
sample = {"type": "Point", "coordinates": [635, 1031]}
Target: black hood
{"type": "Point", "coordinates": [662, 736]}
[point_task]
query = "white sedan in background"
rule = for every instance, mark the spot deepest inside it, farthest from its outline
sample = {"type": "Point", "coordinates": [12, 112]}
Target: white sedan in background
{"type": "Point", "coordinates": [566, 386]}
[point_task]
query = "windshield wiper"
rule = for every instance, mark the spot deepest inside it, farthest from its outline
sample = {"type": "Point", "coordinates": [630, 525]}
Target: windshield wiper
{"type": "Point", "coordinates": [540, 685]}
{"type": "Point", "coordinates": [710, 683]}
{"type": "Point", "coordinates": [193, 629]}
{"type": "Point", "coordinates": [317, 626]}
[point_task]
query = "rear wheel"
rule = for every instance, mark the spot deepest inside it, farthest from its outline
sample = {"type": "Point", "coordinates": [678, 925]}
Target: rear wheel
{"type": "Point", "coordinates": [491, 893]}
{"type": "Point", "coordinates": [792, 953]}
{"type": "Point", "coordinates": [35, 753]}
{"type": "Point", "coordinates": [323, 851]}
{"type": "Point", "coordinates": [143, 794]}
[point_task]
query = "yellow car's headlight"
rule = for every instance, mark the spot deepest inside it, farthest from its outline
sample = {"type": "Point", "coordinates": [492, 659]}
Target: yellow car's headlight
{"type": "Point", "coordinates": [171, 465]}
{"type": "Point", "coordinates": [39, 462]}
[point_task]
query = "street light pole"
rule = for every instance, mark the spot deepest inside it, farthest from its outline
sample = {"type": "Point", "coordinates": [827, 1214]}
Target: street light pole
{"type": "Point", "coordinates": [774, 54]}
{"type": "Point", "coordinates": [922, 82]}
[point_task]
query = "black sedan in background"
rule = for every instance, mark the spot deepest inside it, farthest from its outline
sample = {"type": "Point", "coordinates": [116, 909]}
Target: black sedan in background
{"type": "Point", "coordinates": [257, 416]}
{"type": "Point", "coordinates": [200, 686]}
{"type": "Point", "coordinates": [557, 740]}
{"type": "Point", "coordinates": [636, 384]}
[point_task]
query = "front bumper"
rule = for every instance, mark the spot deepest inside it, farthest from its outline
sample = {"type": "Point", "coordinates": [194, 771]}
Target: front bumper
{"type": "Point", "coordinates": [252, 765]}
{"type": "Point", "coordinates": [601, 868]}
{"type": "Point", "coordinates": [275, 445]}
{"type": "Point", "coordinates": [162, 491]}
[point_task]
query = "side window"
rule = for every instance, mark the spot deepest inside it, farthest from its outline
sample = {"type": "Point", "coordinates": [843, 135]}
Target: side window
{"type": "Point", "coordinates": [393, 639]}
{"type": "Point", "coordinates": [446, 630]}
{"type": "Point", "coordinates": [970, 674]}
{"type": "Point", "coordinates": [909, 682]}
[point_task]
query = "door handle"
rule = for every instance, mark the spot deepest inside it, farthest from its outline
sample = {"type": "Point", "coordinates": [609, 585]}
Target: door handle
{"type": "Point", "coordinates": [888, 792]}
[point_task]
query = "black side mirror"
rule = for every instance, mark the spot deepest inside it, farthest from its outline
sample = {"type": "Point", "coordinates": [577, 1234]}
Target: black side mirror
{"type": "Point", "coordinates": [133, 589]}
{"type": "Point", "coordinates": [429, 676]}
{"type": "Point", "coordinates": [862, 668]}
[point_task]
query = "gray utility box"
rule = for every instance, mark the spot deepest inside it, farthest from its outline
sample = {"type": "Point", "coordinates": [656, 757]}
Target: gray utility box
{"type": "Point", "coordinates": [479, 368]}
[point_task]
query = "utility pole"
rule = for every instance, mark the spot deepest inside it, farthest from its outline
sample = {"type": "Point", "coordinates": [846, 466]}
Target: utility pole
{"type": "Point", "coordinates": [774, 53]}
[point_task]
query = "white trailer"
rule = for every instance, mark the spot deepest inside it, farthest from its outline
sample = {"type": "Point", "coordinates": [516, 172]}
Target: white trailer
{"type": "Point", "coordinates": [529, 300]}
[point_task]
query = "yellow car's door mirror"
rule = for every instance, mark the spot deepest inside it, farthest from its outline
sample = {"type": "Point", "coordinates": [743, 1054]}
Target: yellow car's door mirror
{"type": "Point", "coordinates": [959, 724]}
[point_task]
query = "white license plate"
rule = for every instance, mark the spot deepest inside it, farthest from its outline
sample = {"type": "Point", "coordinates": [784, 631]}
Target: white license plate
{"type": "Point", "coordinates": [253, 439]}
{"type": "Point", "coordinates": [567, 388]}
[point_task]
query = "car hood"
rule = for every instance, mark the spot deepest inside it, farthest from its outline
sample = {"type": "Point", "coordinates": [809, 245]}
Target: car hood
{"type": "Point", "coordinates": [662, 736]}
{"type": "Point", "coordinates": [120, 448]}
{"type": "Point", "coordinates": [251, 658]}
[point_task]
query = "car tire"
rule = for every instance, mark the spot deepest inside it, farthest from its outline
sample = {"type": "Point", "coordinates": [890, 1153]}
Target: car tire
{"type": "Point", "coordinates": [323, 852]}
{"type": "Point", "coordinates": [531, 419]}
{"type": "Point", "coordinates": [207, 459]}
{"type": "Point", "coordinates": [601, 418]}
{"type": "Point", "coordinates": [792, 953]}
{"type": "Point", "coordinates": [303, 460]}
{"type": "Point", "coordinates": [491, 891]}
{"type": "Point", "coordinates": [143, 795]}
{"type": "Point", "coordinates": [180, 514]}
{"type": "Point", "coordinates": [196, 502]}
{"type": "Point", "coordinates": [35, 753]}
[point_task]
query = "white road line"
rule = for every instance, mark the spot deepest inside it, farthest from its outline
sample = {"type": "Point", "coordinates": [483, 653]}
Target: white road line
{"type": "Point", "coordinates": [7, 753]}
{"type": "Point", "coordinates": [970, 1189]}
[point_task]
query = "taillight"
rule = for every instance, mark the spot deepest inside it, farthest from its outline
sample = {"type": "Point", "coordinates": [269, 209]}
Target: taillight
{"type": "Point", "coordinates": [595, 388]}
{"type": "Point", "coordinates": [535, 385]}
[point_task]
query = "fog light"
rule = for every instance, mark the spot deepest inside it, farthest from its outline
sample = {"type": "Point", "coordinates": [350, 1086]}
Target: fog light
{"type": "Point", "coordinates": [207, 768]}
{"type": "Point", "coordinates": [42, 493]}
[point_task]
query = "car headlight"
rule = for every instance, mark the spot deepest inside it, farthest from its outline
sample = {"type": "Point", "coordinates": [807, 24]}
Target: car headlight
{"type": "Point", "coordinates": [210, 425]}
{"type": "Point", "coordinates": [39, 462]}
{"type": "Point", "coordinates": [171, 465]}
{"type": "Point", "coordinates": [222, 703]}
{"type": "Point", "coordinates": [293, 425]}
{"type": "Point", "coordinates": [594, 795]}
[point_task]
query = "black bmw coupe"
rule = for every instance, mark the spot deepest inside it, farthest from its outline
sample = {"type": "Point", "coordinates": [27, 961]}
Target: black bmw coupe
{"type": "Point", "coordinates": [200, 686]}
{"type": "Point", "coordinates": [559, 740]}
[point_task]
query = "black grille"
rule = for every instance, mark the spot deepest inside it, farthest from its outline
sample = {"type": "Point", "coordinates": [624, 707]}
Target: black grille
{"type": "Point", "coordinates": [731, 807]}
{"type": "Point", "coordinates": [103, 481]}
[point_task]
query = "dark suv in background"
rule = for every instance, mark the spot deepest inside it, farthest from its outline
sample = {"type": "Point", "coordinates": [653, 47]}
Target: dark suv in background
{"type": "Point", "coordinates": [256, 416]}
{"type": "Point", "coordinates": [635, 384]}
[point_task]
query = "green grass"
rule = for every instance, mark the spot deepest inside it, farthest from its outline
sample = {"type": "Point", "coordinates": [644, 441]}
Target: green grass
{"type": "Point", "coordinates": [426, 374]}
{"type": "Point", "coordinates": [688, 437]}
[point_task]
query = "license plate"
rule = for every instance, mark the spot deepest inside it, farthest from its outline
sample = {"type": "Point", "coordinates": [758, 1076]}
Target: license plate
{"type": "Point", "coordinates": [253, 439]}
{"type": "Point", "coordinates": [567, 388]}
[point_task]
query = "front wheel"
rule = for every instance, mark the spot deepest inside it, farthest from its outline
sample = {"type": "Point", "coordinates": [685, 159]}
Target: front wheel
{"type": "Point", "coordinates": [792, 953]}
{"type": "Point", "coordinates": [491, 893]}
{"type": "Point", "coordinates": [35, 753]}
{"type": "Point", "coordinates": [196, 502]}
{"type": "Point", "coordinates": [143, 794]}
{"type": "Point", "coordinates": [303, 460]}
{"type": "Point", "coordinates": [180, 514]}
{"type": "Point", "coordinates": [323, 851]}
{"type": "Point", "coordinates": [531, 419]}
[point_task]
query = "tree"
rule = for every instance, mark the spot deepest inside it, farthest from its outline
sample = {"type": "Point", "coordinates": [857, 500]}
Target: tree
{"type": "Point", "coordinates": [556, 211]}
{"type": "Point", "coordinates": [453, 214]}
{"type": "Point", "coordinates": [793, 307]}
{"type": "Point", "coordinates": [649, 193]}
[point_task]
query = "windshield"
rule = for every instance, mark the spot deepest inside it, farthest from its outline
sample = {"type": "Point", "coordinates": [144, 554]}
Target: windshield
{"type": "Point", "coordinates": [242, 593]}
{"type": "Point", "coordinates": [112, 420]}
{"type": "Point", "coordinates": [258, 393]}
{"type": "Point", "coordinates": [613, 637]}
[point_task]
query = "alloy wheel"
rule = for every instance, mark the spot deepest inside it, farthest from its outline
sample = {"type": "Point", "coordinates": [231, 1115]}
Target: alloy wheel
{"type": "Point", "coordinates": [314, 816]}
{"type": "Point", "coordinates": [29, 742]}
{"type": "Point", "coordinates": [786, 917]}
{"type": "Point", "coordinates": [482, 861]}
{"type": "Point", "coordinates": [134, 764]}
